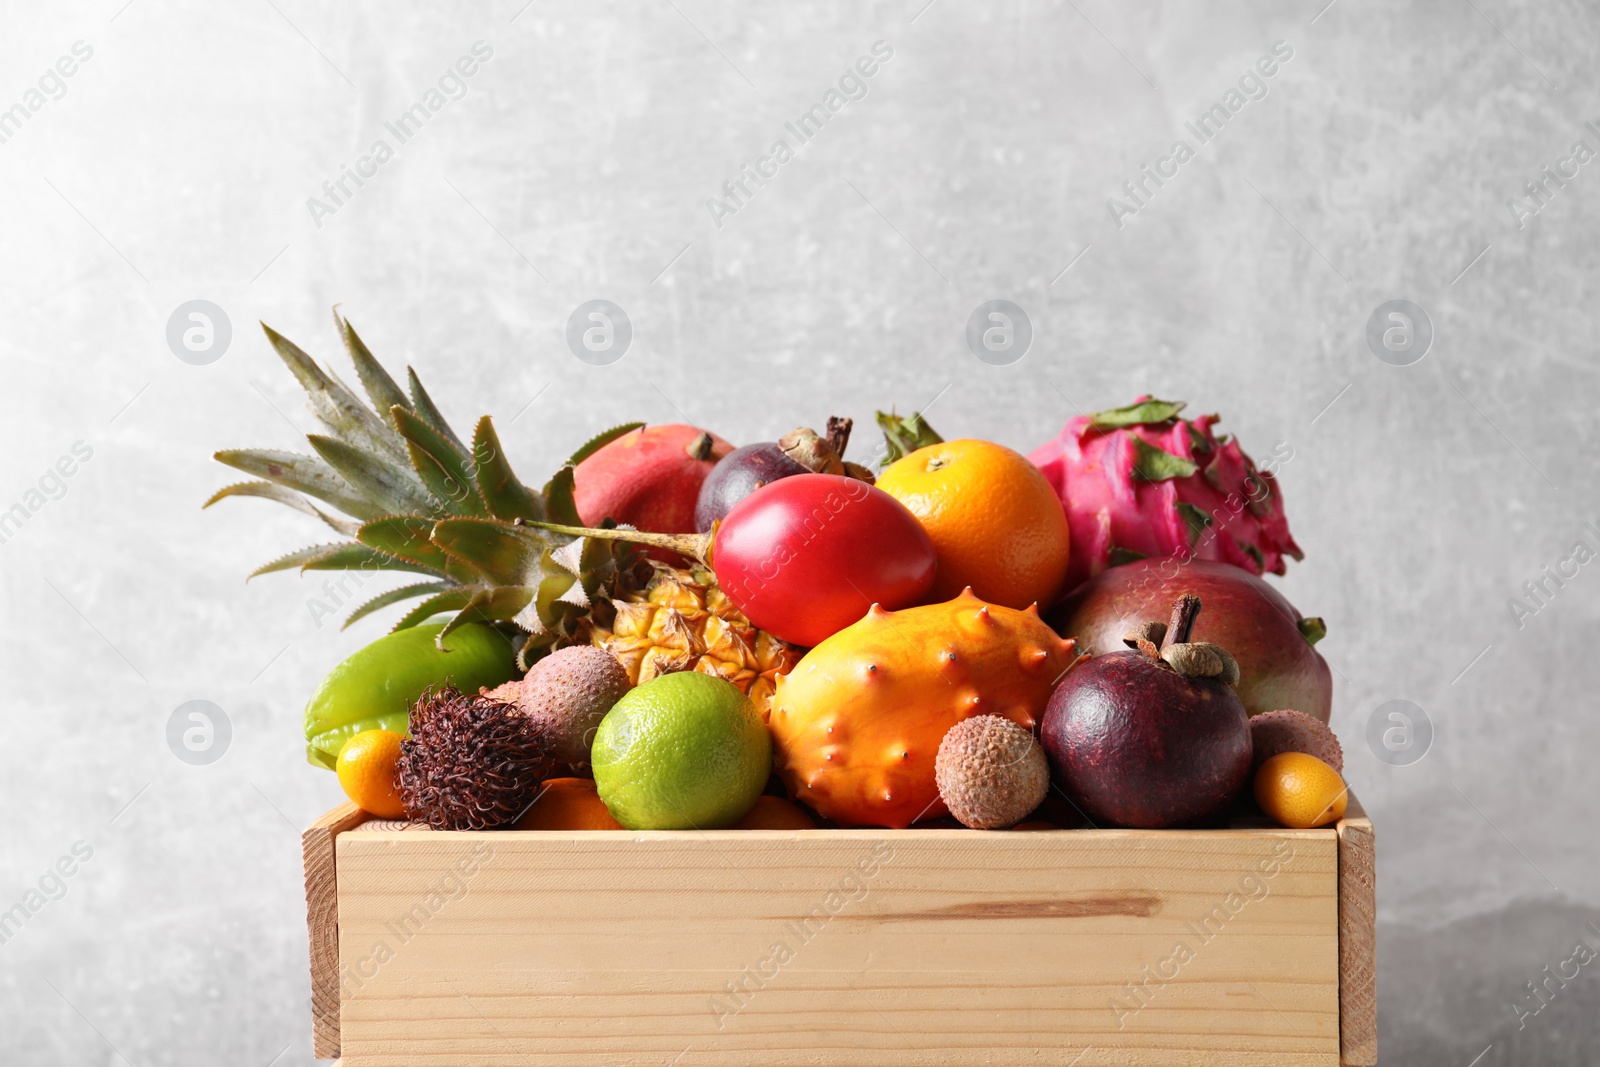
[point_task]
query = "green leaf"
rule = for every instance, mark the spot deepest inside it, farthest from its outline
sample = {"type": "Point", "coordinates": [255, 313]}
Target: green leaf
{"type": "Point", "coordinates": [339, 556]}
{"type": "Point", "coordinates": [351, 557]}
{"type": "Point", "coordinates": [507, 555]}
{"type": "Point", "coordinates": [1254, 553]}
{"type": "Point", "coordinates": [295, 560]}
{"type": "Point", "coordinates": [283, 495]}
{"type": "Point", "coordinates": [408, 537]}
{"type": "Point", "coordinates": [443, 467]}
{"type": "Point", "coordinates": [600, 440]}
{"type": "Point", "coordinates": [489, 604]}
{"type": "Point", "coordinates": [393, 596]}
{"type": "Point", "coordinates": [1119, 556]}
{"type": "Point", "coordinates": [904, 436]}
{"type": "Point", "coordinates": [450, 600]}
{"type": "Point", "coordinates": [1143, 413]}
{"type": "Point", "coordinates": [380, 388]}
{"type": "Point", "coordinates": [308, 474]}
{"type": "Point", "coordinates": [1196, 519]}
{"type": "Point", "coordinates": [1156, 465]}
{"type": "Point", "coordinates": [559, 502]}
{"type": "Point", "coordinates": [546, 611]}
{"type": "Point", "coordinates": [423, 405]}
{"type": "Point", "coordinates": [502, 491]}
{"type": "Point", "coordinates": [385, 484]}
{"type": "Point", "coordinates": [334, 404]}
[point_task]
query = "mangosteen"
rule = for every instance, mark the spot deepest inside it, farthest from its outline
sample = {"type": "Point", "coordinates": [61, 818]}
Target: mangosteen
{"type": "Point", "coordinates": [744, 470]}
{"type": "Point", "coordinates": [1154, 736]}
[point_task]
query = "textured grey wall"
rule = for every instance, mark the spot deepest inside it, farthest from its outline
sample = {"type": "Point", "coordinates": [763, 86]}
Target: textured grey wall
{"type": "Point", "coordinates": [176, 162]}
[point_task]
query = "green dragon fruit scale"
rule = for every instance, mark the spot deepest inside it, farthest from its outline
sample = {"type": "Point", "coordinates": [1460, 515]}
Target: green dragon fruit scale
{"type": "Point", "coordinates": [1139, 482]}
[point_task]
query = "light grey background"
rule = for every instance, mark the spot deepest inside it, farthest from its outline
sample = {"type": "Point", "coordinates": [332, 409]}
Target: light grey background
{"type": "Point", "coordinates": [178, 164]}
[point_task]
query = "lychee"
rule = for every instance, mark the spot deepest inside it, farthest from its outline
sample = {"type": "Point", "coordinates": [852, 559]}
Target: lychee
{"type": "Point", "coordinates": [991, 772]}
{"type": "Point", "coordinates": [1286, 730]}
{"type": "Point", "coordinates": [568, 693]}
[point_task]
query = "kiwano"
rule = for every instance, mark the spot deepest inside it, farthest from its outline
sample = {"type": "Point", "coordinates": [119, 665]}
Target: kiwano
{"type": "Point", "coordinates": [857, 724]}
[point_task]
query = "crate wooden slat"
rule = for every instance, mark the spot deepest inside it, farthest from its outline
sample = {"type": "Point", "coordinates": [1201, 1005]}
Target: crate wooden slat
{"type": "Point", "coordinates": [1358, 940]}
{"type": "Point", "coordinates": [322, 923]}
{"type": "Point", "coordinates": [958, 947]}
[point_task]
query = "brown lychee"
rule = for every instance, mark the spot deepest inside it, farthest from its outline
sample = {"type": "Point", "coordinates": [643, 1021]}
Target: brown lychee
{"type": "Point", "coordinates": [991, 772]}
{"type": "Point", "coordinates": [1287, 730]}
{"type": "Point", "coordinates": [568, 693]}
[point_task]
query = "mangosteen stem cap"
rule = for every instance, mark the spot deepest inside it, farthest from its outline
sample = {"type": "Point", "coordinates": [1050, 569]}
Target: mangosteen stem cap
{"type": "Point", "coordinates": [1184, 612]}
{"type": "Point", "coordinates": [838, 434]}
{"type": "Point", "coordinates": [1152, 631]}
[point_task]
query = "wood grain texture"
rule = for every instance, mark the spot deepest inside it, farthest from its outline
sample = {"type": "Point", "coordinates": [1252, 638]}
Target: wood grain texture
{"type": "Point", "coordinates": [322, 923]}
{"type": "Point", "coordinates": [1358, 941]}
{"type": "Point", "coordinates": [866, 947]}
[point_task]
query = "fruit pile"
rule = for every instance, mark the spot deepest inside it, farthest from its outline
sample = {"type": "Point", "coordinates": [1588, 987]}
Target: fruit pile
{"type": "Point", "coordinates": [673, 633]}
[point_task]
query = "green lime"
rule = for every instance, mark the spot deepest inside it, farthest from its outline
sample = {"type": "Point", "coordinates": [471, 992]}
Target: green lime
{"type": "Point", "coordinates": [687, 751]}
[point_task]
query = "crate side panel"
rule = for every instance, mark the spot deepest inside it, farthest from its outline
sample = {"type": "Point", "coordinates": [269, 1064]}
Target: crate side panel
{"type": "Point", "coordinates": [862, 947]}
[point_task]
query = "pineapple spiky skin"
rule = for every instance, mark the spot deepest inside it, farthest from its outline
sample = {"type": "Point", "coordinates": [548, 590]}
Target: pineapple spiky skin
{"type": "Point", "coordinates": [680, 620]}
{"type": "Point", "coordinates": [416, 497]}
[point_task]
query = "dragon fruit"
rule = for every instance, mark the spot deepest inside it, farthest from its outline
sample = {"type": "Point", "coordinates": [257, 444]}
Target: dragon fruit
{"type": "Point", "coordinates": [1139, 481]}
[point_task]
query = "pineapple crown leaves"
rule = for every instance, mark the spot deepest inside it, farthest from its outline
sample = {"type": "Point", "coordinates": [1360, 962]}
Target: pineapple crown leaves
{"type": "Point", "coordinates": [412, 495]}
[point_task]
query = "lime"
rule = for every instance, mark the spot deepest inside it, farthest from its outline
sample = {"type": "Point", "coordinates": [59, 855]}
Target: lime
{"type": "Point", "coordinates": [686, 751]}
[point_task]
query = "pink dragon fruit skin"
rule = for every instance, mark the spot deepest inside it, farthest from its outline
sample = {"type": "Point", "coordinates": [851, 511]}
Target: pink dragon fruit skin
{"type": "Point", "coordinates": [1141, 482]}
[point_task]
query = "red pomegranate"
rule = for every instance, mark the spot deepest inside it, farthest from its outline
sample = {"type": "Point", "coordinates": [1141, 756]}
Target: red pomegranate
{"type": "Point", "coordinates": [649, 478]}
{"type": "Point", "coordinates": [1244, 614]}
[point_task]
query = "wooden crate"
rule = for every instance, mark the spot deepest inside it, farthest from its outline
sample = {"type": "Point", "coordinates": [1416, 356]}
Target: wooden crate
{"type": "Point", "coordinates": [1239, 946]}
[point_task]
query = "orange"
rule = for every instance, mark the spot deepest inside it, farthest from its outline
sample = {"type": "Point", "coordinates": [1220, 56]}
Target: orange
{"type": "Point", "coordinates": [367, 767]}
{"type": "Point", "coordinates": [995, 522]}
{"type": "Point", "coordinates": [568, 804]}
{"type": "Point", "coordinates": [1300, 791]}
{"type": "Point", "coordinates": [775, 813]}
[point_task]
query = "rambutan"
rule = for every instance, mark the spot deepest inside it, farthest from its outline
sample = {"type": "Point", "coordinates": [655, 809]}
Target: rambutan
{"type": "Point", "coordinates": [472, 762]}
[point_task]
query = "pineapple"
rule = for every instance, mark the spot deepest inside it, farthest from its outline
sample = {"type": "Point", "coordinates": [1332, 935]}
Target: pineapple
{"type": "Point", "coordinates": [415, 497]}
{"type": "Point", "coordinates": [681, 620]}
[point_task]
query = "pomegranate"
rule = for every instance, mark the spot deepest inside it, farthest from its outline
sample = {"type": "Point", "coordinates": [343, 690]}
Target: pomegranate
{"type": "Point", "coordinates": [649, 478]}
{"type": "Point", "coordinates": [1270, 640]}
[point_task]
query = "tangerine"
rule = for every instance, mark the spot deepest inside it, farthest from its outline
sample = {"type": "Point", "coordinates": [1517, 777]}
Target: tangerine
{"type": "Point", "coordinates": [568, 804]}
{"type": "Point", "coordinates": [775, 813]}
{"type": "Point", "coordinates": [1300, 791]}
{"type": "Point", "coordinates": [367, 767]}
{"type": "Point", "coordinates": [995, 522]}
